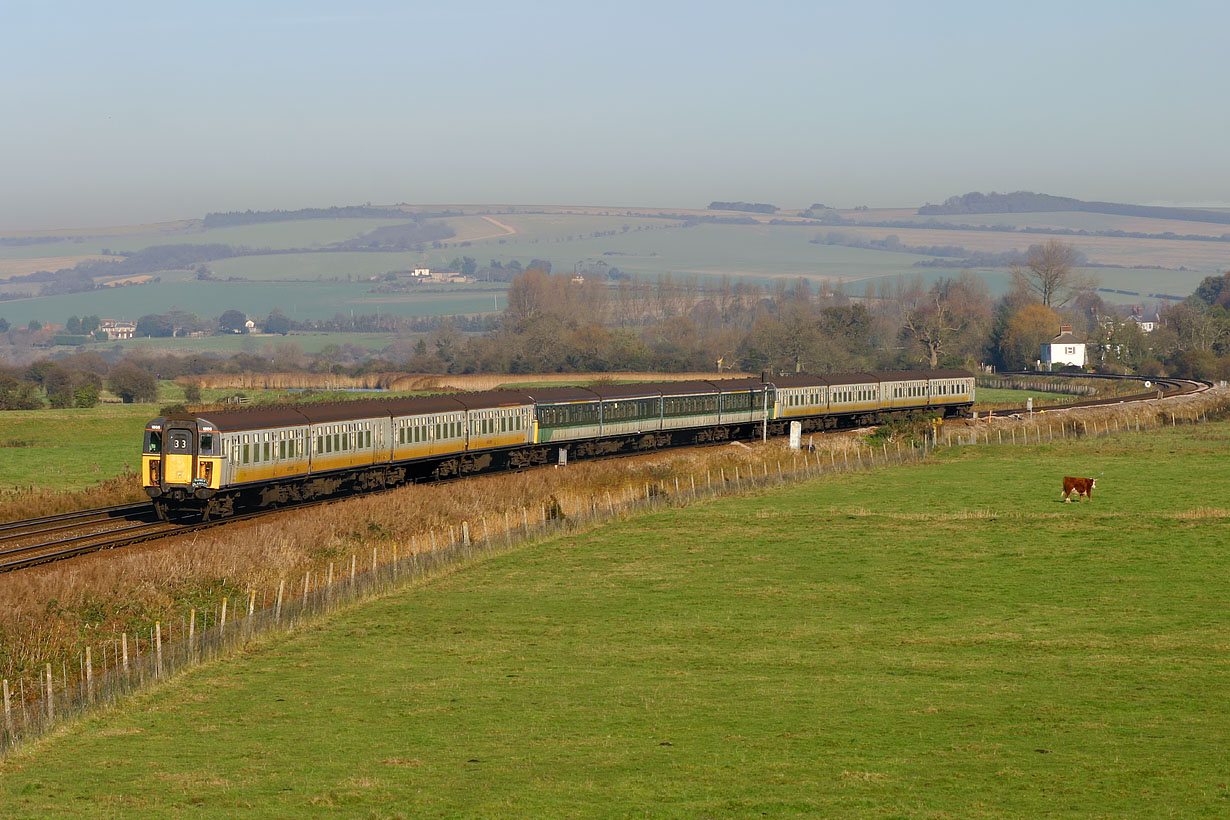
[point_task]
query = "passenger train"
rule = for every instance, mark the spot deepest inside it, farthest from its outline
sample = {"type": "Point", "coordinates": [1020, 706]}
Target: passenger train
{"type": "Point", "coordinates": [210, 464]}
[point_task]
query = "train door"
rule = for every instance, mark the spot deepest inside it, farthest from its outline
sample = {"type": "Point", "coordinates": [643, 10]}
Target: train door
{"type": "Point", "coordinates": [178, 456]}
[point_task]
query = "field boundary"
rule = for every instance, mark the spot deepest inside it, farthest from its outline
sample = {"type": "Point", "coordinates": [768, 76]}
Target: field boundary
{"type": "Point", "coordinates": [121, 667]}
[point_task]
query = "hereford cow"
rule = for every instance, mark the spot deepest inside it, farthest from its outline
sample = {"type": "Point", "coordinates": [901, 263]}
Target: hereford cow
{"type": "Point", "coordinates": [1081, 486]}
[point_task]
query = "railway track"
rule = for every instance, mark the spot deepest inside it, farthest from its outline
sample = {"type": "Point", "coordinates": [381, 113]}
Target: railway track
{"type": "Point", "coordinates": [1168, 388]}
{"type": "Point", "coordinates": [24, 544]}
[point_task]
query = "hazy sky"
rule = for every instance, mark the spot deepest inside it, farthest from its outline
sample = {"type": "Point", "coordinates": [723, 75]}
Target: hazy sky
{"type": "Point", "coordinates": [133, 111]}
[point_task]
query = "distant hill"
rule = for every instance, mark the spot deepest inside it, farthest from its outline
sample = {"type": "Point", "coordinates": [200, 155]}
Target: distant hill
{"type": "Point", "coordinates": [1019, 202]}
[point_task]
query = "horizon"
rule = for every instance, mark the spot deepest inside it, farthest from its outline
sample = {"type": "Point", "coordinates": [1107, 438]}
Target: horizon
{"type": "Point", "coordinates": [141, 114]}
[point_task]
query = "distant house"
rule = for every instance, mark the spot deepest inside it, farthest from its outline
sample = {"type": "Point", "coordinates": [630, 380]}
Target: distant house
{"type": "Point", "coordinates": [429, 275]}
{"type": "Point", "coordinates": [118, 330]}
{"type": "Point", "coordinates": [1145, 325]}
{"type": "Point", "coordinates": [1065, 349]}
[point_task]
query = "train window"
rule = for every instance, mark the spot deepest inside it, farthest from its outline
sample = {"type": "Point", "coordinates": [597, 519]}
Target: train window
{"type": "Point", "coordinates": [245, 454]}
{"type": "Point", "coordinates": [266, 458]}
{"type": "Point", "coordinates": [281, 449]}
{"type": "Point", "coordinates": [368, 439]}
{"type": "Point", "coordinates": [155, 442]}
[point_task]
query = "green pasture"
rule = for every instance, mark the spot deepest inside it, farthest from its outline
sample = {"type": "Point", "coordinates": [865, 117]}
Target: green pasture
{"type": "Point", "coordinates": [298, 300]}
{"type": "Point", "coordinates": [308, 266]}
{"type": "Point", "coordinates": [938, 640]}
{"type": "Point", "coordinates": [72, 449]}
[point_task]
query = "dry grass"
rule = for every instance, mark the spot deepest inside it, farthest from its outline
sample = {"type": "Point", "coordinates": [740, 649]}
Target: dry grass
{"type": "Point", "coordinates": [35, 503]}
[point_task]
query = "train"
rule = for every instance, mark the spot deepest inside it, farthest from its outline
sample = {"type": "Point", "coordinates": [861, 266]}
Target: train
{"type": "Point", "coordinates": [212, 463]}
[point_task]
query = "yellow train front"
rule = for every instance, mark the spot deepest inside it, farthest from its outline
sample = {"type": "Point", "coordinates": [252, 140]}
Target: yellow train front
{"type": "Point", "coordinates": [181, 463]}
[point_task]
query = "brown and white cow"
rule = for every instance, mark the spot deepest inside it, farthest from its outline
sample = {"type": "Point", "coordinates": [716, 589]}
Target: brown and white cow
{"type": "Point", "coordinates": [1081, 486]}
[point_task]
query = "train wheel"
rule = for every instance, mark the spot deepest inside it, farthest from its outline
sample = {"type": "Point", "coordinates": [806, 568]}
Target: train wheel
{"type": "Point", "coordinates": [160, 509]}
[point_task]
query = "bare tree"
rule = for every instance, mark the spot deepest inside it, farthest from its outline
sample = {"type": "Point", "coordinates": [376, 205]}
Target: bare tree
{"type": "Point", "coordinates": [933, 327]}
{"type": "Point", "coordinates": [1051, 273]}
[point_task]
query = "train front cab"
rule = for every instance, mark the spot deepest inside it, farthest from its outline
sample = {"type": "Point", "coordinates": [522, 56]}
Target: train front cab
{"type": "Point", "coordinates": [180, 462]}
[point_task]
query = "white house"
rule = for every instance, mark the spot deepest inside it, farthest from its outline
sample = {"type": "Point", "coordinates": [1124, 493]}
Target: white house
{"type": "Point", "coordinates": [1064, 349]}
{"type": "Point", "coordinates": [118, 330]}
{"type": "Point", "coordinates": [1145, 325]}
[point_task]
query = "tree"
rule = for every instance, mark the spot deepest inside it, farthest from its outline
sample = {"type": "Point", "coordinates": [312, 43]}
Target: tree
{"type": "Point", "coordinates": [73, 325]}
{"type": "Point", "coordinates": [90, 323]}
{"type": "Point", "coordinates": [86, 395]}
{"type": "Point", "coordinates": [132, 383]}
{"type": "Point", "coordinates": [951, 322]}
{"type": "Point", "coordinates": [1050, 273]}
{"type": "Point", "coordinates": [234, 321]}
{"type": "Point", "coordinates": [153, 324]}
{"type": "Point", "coordinates": [1025, 332]}
{"type": "Point", "coordinates": [932, 328]}
{"type": "Point", "coordinates": [18, 394]}
{"type": "Point", "coordinates": [4, 325]}
{"type": "Point", "coordinates": [277, 323]}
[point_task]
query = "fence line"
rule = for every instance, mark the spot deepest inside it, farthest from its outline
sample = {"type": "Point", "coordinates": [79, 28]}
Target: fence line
{"type": "Point", "coordinates": [126, 665]}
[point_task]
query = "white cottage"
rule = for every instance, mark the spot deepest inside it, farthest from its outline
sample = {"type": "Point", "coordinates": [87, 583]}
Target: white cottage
{"type": "Point", "coordinates": [1064, 349]}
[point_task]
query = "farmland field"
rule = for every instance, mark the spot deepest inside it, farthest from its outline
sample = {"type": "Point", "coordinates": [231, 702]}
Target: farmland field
{"type": "Point", "coordinates": [649, 247]}
{"type": "Point", "coordinates": [945, 639]}
{"type": "Point", "coordinates": [298, 300]}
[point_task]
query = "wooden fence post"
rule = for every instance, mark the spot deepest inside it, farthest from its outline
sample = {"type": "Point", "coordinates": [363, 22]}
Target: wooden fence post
{"type": "Point", "coordinates": [222, 620]}
{"type": "Point", "coordinates": [124, 645]}
{"type": "Point", "coordinates": [89, 675]}
{"type": "Point", "coordinates": [158, 648]}
{"type": "Point", "coordinates": [191, 632]}
{"type": "Point", "coordinates": [277, 608]}
{"type": "Point", "coordinates": [51, 707]}
{"type": "Point", "coordinates": [8, 710]}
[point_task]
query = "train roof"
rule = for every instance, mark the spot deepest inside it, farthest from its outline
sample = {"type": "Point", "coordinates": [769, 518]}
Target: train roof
{"type": "Point", "coordinates": [561, 395]}
{"type": "Point", "coordinates": [255, 418]}
{"type": "Point", "coordinates": [686, 388]}
{"type": "Point", "coordinates": [745, 383]}
{"type": "Point", "coordinates": [493, 398]}
{"type": "Point", "coordinates": [415, 405]}
{"type": "Point", "coordinates": [857, 377]}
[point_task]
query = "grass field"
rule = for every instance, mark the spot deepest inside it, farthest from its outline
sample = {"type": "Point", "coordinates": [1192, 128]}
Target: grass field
{"type": "Point", "coordinates": [942, 640]}
{"type": "Point", "coordinates": [71, 449]}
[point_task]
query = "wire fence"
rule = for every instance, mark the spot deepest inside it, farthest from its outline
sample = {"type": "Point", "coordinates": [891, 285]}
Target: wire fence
{"type": "Point", "coordinates": [111, 670]}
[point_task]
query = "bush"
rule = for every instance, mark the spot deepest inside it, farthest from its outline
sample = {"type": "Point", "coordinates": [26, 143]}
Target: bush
{"type": "Point", "coordinates": [133, 384]}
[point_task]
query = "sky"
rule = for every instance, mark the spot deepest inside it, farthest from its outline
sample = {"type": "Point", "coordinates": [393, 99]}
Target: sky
{"type": "Point", "coordinates": [124, 112]}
